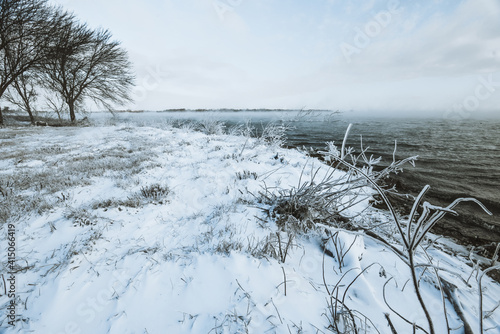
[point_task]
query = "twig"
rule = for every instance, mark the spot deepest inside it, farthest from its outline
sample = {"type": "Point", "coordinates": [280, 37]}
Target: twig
{"type": "Point", "coordinates": [440, 285]}
{"type": "Point", "coordinates": [417, 291]}
{"type": "Point", "coordinates": [342, 151]}
{"type": "Point", "coordinates": [354, 280]}
{"type": "Point", "coordinates": [279, 316]}
{"type": "Point", "coordinates": [284, 279]}
{"type": "Point", "coordinates": [449, 290]}
{"type": "Point", "coordinates": [497, 267]}
{"type": "Point", "coordinates": [394, 152]}
{"type": "Point", "coordinates": [393, 330]}
{"type": "Point", "coordinates": [397, 313]}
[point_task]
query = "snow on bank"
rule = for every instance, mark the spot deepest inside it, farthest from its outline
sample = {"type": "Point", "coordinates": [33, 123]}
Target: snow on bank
{"type": "Point", "coordinates": [161, 231]}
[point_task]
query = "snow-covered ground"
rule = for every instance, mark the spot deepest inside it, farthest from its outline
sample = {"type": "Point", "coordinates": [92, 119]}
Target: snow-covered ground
{"type": "Point", "coordinates": [122, 228]}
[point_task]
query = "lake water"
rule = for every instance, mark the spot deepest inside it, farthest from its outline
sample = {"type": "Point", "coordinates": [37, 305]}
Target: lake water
{"type": "Point", "coordinates": [457, 158]}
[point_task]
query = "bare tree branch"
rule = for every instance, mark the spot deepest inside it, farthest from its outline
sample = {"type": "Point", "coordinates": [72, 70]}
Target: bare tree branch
{"type": "Point", "coordinates": [86, 64]}
{"type": "Point", "coordinates": [27, 30]}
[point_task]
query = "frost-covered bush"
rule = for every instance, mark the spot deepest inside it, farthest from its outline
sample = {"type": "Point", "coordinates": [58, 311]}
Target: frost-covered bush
{"type": "Point", "coordinates": [212, 127]}
{"type": "Point", "coordinates": [154, 192]}
{"type": "Point", "coordinates": [320, 200]}
{"type": "Point", "coordinates": [274, 134]}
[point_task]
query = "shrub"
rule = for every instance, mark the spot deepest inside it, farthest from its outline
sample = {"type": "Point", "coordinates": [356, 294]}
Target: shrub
{"type": "Point", "coordinates": [274, 134]}
{"type": "Point", "coordinates": [154, 192]}
{"type": "Point", "coordinates": [81, 217]}
{"type": "Point", "coordinates": [246, 175]}
{"type": "Point", "coordinates": [212, 127]}
{"type": "Point", "coordinates": [301, 208]}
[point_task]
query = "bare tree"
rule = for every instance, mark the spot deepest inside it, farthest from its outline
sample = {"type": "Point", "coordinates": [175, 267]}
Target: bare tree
{"type": "Point", "coordinates": [86, 64]}
{"type": "Point", "coordinates": [27, 30]}
{"type": "Point", "coordinates": [55, 103]}
{"type": "Point", "coordinates": [23, 93]}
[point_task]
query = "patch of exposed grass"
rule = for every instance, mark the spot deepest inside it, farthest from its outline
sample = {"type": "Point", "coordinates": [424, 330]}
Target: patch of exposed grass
{"type": "Point", "coordinates": [154, 192]}
{"type": "Point", "coordinates": [16, 206]}
{"type": "Point", "coordinates": [40, 172]}
{"type": "Point", "coordinates": [246, 175]}
{"type": "Point", "coordinates": [82, 217]}
{"type": "Point", "coordinates": [131, 202]}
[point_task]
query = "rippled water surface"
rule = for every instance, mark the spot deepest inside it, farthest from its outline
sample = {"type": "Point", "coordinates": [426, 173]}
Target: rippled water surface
{"type": "Point", "coordinates": [457, 158]}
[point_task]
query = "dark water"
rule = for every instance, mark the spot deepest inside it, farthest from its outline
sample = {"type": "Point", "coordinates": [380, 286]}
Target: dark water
{"type": "Point", "coordinates": [457, 158]}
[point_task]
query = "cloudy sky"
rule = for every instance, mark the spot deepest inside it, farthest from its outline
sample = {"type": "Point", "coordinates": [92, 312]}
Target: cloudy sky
{"type": "Point", "coordinates": [440, 56]}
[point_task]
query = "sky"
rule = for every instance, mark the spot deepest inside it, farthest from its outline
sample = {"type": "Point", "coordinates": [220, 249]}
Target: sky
{"type": "Point", "coordinates": [407, 57]}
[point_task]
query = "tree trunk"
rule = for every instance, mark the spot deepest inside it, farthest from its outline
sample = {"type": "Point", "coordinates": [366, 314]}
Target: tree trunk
{"type": "Point", "coordinates": [32, 118]}
{"type": "Point", "coordinates": [72, 112]}
{"type": "Point", "coordinates": [1, 116]}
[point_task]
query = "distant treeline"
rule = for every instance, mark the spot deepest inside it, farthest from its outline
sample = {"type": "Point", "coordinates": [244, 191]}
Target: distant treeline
{"type": "Point", "coordinates": [241, 110]}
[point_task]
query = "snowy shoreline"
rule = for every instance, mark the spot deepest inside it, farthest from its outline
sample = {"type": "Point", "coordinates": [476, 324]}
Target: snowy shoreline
{"type": "Point", "coordinates": [153, 229]}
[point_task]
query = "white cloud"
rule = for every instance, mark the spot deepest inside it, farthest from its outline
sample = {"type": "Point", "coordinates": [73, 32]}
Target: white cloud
{"type": "Point", "coordinates": [267, 53]}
